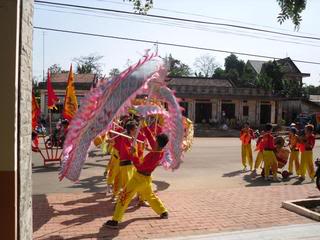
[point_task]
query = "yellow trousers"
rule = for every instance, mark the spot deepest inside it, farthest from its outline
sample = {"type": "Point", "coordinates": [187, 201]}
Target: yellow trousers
{"type": "Point", "coordinates": [143, 186]}
{"type": "Point", "coordinates": [259, 160]}
{"type": "Point", "coordinates": [270, 161]}
{"type": "Point", "coordinates": [246, 154]}
{"type": "Point", "coordinates": [125, 174]}
{"type": "Point", "coordinates": [294, 159]}
{"type": "Point", "coordinates": [307, 164]}
{"type": "Point", "coordinates": [114, 174]}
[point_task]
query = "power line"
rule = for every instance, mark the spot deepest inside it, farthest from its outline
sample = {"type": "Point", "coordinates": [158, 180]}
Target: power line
{"type": "Point", "coordinates": [193, 27]}
{"type": "Point", "coordinates": [205, 16]}
{"type": "Point", "coordinates": [176, 19]}
{"type": "Point", "coordinates": [166, 44]}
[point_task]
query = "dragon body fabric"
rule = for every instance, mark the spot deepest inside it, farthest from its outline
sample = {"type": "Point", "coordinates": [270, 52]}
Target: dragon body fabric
{"type": "Point", "coordinates": [112, 98]}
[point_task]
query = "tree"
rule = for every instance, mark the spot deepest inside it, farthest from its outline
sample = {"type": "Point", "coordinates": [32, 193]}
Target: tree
{"type": "Point", "coordinates": [311, 90]}
{"type": "Point", "coordinates": [177, 68]}
{"type": "Point", "coordinates": [140, 6]}
{"type": "Point", "coordinates": [205, 64]}
{"type": "Point", "coordinates": [248, 76]}
{"type": "Point", "coordinates": [234, 70]}
{"type": "Point", "coordinates": [219, 73]}
{"type": "Point", "coordinates": [291, 9]}
{"type": "Point", "coordinates": [54, 69]}
{"type": "Point", "coordinates": [232, 62]}
{"type": "Point", "coordinates": [292, 88]}
{"type": "Point", "coordinates": [88, 64]}
{"type": "Point", "coordinates": [35, 86]}
{"type": "Point", "coordinates": [114, 72]}
{"type": "Point", "coordinates": [271, 77]}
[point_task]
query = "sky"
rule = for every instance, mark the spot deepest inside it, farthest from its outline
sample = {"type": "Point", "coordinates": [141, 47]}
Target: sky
{"type": "Point", "coordinates": [61, 48]}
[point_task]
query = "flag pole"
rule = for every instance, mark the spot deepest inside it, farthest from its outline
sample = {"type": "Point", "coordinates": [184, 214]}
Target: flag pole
{"type": "Point", "coordinates": [51, 133]}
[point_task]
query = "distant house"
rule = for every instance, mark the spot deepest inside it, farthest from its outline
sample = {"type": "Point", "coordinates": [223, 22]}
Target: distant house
{"type": "Point", "coordinates": [291, 107]}
{"type": "Point", "coordinates": [206, 98]}
{"type": "Point", "coordinates": [291, 71]}
{"type": "Point", "coordinates": [83, 83]}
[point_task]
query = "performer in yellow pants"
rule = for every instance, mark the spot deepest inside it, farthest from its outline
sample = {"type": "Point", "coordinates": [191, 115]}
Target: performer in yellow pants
{"type": "Point", "coordinates": [126, 171]}
{"type": "Point", "coordinates": [259, 158]}
{"type": "Point", "coordinates": [124, 145]}
{"type": "Point", "coordinates": [138, 184]}
{"type": "Point", "coordinates": [306, 147]}
{"type": "Point", "coordinates": [270, 161]}
{"type": "Point", "coordinates": [294, 160]}
{"type": "Point", "coordinates": [269, 157]}
{"type": "Point", "coordinates": [246, 154]}
{"type": "Point", "coordinates": [141, 181]}
{"type": "Point", "coordinates": [294, 155]}
{"type": "Point", "coordinates": [114, 172]}
{"type": "Point", "coordinates": [307, 164]}
{"type": "Point", "coordinates": [246, 135]}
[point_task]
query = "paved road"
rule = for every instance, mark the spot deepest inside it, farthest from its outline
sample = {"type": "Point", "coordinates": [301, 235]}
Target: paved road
{"type": "Point", "coordinates": [212, 163]}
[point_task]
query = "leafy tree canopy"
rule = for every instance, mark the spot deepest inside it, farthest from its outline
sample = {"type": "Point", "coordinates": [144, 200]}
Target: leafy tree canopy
{"type": "Point", "coordinates": [291, 9]}
{"type": "Point", "coordinates": [89, 64]}
{"type": "Point", "coordinates": [114, 72]}
{"type": "Point", "coordinates": [177, 68]}
{"type": "Point", "coordinates": [141, 6]}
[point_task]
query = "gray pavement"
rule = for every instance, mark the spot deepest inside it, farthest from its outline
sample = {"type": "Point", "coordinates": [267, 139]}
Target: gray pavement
{"type": "Point", "coordinates": [212, 163]}
{"type": "Point", "coordinates": [290, 232]}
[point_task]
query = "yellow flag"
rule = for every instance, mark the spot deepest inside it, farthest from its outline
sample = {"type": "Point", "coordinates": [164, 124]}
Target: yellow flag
{"type": "Point", "coordinates": [70, 101]}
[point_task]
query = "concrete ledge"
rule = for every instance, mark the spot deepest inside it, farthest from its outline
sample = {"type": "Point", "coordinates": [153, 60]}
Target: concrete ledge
{"type": "Point", "coordinates": [297, 206]}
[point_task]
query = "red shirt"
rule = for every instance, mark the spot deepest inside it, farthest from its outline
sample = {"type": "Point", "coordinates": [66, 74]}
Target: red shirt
{"type": "Point", "coordinates": [259, 145]}
{"type": "Point", "coordinates": [308, 144]}
{"type": "Point", "coordinates": [123, 145]}
{"type": "Point", "coordinates": [155, 130]}
{"type": "Point", "coordinates": [246, 135]}
{"type": "Point", "coordinates": [152, 159]}
{"type": "Point", "coordinates": [268, 142]}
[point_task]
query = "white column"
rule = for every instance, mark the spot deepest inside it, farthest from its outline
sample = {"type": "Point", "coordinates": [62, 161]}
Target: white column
{"type": "Point", "coordinates": [214, 112]}
{"type": "Point", "coordinates": [258, 113]}
{"type": "Point", "coordinates": [273, 112]}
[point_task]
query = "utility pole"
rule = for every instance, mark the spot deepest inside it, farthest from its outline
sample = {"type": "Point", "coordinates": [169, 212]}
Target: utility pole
{"type": "Point", "coordinates": [43, 52]}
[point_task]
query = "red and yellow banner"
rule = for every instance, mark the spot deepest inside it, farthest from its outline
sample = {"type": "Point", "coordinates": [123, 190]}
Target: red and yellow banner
{"type": "Point", "coordinates": [52, 98]}
{"type": "Point", "coordinates": [35, 111]}
{"type": "Point", "coordinates": [70, 101]}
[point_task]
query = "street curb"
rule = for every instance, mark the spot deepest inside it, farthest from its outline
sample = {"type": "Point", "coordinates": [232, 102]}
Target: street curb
{"type": "Point", "coordinates": [293, 207]}
{"type": "Point", "coordinates": [290, 232]}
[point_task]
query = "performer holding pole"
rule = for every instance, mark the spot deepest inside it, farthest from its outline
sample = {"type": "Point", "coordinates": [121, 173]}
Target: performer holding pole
{"type": "Point", "coordinates": [307, 144]}
{"type": "Point", "coordinates": [246, 135]}
{"type": "Point", "coordinates": [141, 181]}
{"type": "Point", "coordinates": [294, 154]}
{"type": "Point", "coordinates": [259, 158]}
{"type": "Point", "coordinates": [269, 157]}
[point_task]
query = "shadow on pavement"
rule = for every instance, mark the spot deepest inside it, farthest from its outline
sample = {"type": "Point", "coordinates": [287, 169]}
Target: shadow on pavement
{"type": "Point", "coordinates": [92, 184]}
{"type": "Point", "coordinates": [232, 174]}
{"type": "Point", "coordinates": [107, 233]}
{"type": "Point", "coordinates": [161, 185]}
{"type": "Point", "coordinates": [255, 182]}
{"type": "Point", "coordinates": [99, 207]}
{"type": "Point", "coordinates": [42, 211]}
{"type": "Point", "coordinates": [95, 164]}
{"type": "Point", "coordinates": [96, 153]}
{"type": "Point", "coordinates": [48, 168]}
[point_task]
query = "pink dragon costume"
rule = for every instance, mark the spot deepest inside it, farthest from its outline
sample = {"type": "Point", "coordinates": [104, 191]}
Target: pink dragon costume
{"type": "Point", "coordinates": [112, 98]}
